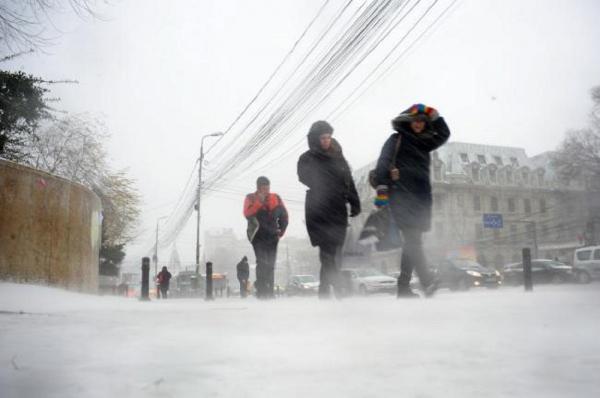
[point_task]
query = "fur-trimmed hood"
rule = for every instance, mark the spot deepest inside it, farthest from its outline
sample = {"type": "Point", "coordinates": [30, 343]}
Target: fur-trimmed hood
{"type": "Point", "coordinates": [316, 130]}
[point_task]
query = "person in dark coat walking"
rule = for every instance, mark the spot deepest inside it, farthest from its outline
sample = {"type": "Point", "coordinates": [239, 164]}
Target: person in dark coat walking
{"type": "Point", "coordinates": [324, 170]}
{"type": "Point", "coordinates": [243, 274]}
{"type": "Point", "coordinates": [164, 279]}
{"type": "Point", "coordinates": [406, 187]}
{"type": "Point", "coordinates": [267, 220]}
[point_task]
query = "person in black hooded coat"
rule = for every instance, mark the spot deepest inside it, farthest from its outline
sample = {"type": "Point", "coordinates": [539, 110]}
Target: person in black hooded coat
{"type": "Point", "coordinates": [406, 186]}
{"type": "Point", "coordinates": [324, 170]}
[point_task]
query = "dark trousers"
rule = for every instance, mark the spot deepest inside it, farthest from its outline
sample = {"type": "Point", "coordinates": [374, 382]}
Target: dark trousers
{"type": "Point", "coordinates": [163, 291]}
{"type": "Point", "coordinates": [330, 266]}
{"type": "Point", "coordinates": [243, 287]}
{"type": "Point", "coordinates": [413, 258]}
{"type": "Point", "coordinates": [265, 251]}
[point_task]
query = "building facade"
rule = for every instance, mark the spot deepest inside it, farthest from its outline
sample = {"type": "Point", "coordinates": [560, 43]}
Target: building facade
{"type": "Point", "coordinates": [472, 180]}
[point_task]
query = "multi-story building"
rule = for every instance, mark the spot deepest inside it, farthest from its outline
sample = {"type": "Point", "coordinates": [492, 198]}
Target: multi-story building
{"type": "Point", "coordinates": [470, 180]}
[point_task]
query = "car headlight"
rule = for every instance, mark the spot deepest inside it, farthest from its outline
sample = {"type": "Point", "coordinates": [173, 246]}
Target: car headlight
{"type": "Point", "coordinates": [474, 273]}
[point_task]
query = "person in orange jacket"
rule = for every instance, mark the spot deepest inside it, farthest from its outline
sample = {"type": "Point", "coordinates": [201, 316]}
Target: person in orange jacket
{"type": "Point", "coordinates": [267, 221]}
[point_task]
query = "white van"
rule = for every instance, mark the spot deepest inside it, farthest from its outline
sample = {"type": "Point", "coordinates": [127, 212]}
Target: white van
{"type": "Point", "coordinates": [587, 263]}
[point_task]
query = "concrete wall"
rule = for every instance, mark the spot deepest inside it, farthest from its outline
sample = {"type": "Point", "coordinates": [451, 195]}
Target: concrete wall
{"type": "Point", "coordinates": [49, 229]}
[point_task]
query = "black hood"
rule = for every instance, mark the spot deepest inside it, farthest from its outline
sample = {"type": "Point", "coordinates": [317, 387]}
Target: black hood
{"type": "Point", "coordinates": [313, 137]}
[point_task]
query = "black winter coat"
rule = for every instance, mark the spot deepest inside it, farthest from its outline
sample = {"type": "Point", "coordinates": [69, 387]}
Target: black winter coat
{"type": "Point", "coordinates": [330, 183]}
{"type": "Point", "coordinates": [410, 196]}
{"type": "Point", "coordinates": [243, 270]}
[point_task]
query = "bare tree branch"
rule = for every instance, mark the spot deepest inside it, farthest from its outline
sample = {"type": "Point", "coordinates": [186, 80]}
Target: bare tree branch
{"type": "Point", "coordinates": [25, 23]}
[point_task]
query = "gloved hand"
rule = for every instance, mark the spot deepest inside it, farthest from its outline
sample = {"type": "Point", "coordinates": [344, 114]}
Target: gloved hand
{"type": "Point", "coordinates": [354, 211]}
{"type": "Point", "coordinates": [422, 109]}
{"type": "Point", "coordinates": [382, 197]}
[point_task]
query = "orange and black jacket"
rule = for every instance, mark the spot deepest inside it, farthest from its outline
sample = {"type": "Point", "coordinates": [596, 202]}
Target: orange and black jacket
{"type": "Point", "coordinates": [271, 214]}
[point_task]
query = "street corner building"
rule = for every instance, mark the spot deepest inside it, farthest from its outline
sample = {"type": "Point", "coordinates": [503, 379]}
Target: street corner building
{"type": "Point", "coordinates": [471, 181]}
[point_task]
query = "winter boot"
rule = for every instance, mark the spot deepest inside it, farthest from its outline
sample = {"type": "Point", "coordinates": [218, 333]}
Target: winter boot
{"type": "Point", "coordinates": [406, 292]}
{"type": "Point", "coordinates": [430, 289]}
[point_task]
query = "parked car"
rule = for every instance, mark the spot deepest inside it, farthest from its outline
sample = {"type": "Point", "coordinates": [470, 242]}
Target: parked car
{"type": "Point", "coordinates": [462, 274]}
{"type": "Point", "coordinates": [187, 284]}
{"type": "Point", "coordinates": [542, 271]}
{"type": "Point", "coordinates": [302, 285]}
{"type": "Point", "coordinates": [366, 281]}
{"type": "Point", "coordinates": [586, 264]}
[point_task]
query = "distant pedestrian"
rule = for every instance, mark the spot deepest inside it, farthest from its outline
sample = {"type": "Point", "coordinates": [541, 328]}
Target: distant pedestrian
{"type": "Point", "coordinates": [164, 278]}
{"type": "Point", "coordinates": [403, 183]}
{"type": "Point", "coordinates": [267, 220]}
{"type": "Point", "coordinates": [324, 170]}
{"type": "Point", "coordinates": [243, 274]}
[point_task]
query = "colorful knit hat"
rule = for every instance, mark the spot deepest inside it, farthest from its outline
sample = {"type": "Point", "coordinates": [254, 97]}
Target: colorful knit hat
{"type": "Point", "coordinates": [420, 109]}
{"type": "Point", "coordinates": [415, 112]}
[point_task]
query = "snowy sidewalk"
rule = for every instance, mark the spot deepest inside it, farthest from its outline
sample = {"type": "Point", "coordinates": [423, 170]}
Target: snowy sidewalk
{"type": "Point", "coordinates": [480, 343]}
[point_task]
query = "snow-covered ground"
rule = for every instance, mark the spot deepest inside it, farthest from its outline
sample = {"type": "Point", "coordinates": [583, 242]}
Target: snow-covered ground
{"type": "Point", "coordinates": [479, 343]}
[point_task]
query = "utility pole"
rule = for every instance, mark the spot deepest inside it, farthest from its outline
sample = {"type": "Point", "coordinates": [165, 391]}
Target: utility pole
{"type": "Point", "coordinates": [200, 161]}
{"type": "Point", "coordinates": [156, 246]}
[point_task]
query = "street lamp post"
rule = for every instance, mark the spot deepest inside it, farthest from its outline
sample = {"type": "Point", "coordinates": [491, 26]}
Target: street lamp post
{"type": "Point", "coordinates": [200, 160]}
{"type": "Point", "coordinates": [156, 245]}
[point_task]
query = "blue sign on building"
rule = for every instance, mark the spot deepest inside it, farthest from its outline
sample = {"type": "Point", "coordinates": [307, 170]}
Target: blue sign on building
{"type": "Point", "coordinates": [493, 220]}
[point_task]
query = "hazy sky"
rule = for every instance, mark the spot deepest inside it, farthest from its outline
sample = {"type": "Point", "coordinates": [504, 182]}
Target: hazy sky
{"type": "Point", "coordinates": [163, 73]}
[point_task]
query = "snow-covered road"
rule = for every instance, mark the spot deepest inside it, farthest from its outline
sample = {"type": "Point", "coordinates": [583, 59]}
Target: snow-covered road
{"type": "Point", "coordinates": [482, 343]}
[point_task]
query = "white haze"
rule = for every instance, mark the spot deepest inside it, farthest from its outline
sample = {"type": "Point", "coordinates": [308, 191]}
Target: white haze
{"type": "Point", "coordinates": [513, 73]}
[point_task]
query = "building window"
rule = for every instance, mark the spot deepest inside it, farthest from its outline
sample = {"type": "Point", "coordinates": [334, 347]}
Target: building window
{"type": "Point", "coordinates": [513, 234]}
{"type": "Point", "coordinates": [542, 205]}
{"type": "Point", "coordinates": [459, 200]}
{"type": "Point", "coordinates": [514, 162]}
{"type": "Point", "coordinates": [541, 179]}
{"type": "Point", "coordinates": [476, 175]}
{"type": "Point", "coordinates": [493, 175]}
{"type": "Point", "coordinates": [494, 203]}
{"type": "Point", "coordinates": [509, 176]}
{"type": "Point", "coordinates": [559, 231]}
{"type": "Point", "coordinates": [526, 177]}
{"type": "Point", "coordinates": [511, 205]}
{"type": "Point", "coordinates": [477, 203]}
{"type": "Point", "coordinates": [481, 159]}
{"type": "Point", "coordinates": [464, 158]}
{"type": "Point", "coordinates": [530, 231]}
{"type": "Point", "coordinates": [527, 204]}
{"type": "Point", "coordinates": [498, 160]}
{"type": "Point", "coordinates": [544, 229]}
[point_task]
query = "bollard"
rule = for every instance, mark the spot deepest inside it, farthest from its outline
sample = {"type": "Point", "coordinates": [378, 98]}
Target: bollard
{"type": "Point", "coordinates": [209, 281]}
{"type": "Point", "coordinates": [528, 282]}
{"type": "Point", "coordinates": [145, 279]}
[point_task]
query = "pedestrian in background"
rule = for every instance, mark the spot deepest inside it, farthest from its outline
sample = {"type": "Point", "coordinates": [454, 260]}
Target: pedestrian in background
{"type": "Point", "coordinates": [267, 220]}
{"type": "Point", "coordinates": [243, 274]}
{"type": "Point", "coordinates": [405, 185]}
{"type": "Point", "coordinates": [324, 170]}
{"type": "Point", "coordinates": [164, 279]}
